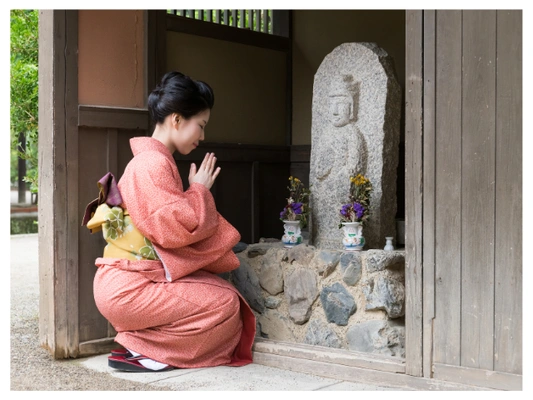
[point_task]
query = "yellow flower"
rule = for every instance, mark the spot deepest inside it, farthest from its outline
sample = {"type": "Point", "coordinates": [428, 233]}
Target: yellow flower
{"type": "Point", "coordinates": [296, 180]}
{"type": "Point", "coordinates": [359, 180]}
{"type": "Point", "coordinates": [290, 178]}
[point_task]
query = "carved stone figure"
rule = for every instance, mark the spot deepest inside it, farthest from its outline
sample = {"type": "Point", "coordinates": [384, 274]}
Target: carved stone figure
{"type": "Point", "coordinates": [355, 126]}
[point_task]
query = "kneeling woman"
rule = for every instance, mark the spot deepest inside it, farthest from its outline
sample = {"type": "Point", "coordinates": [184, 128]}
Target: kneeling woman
{"type": "Point", "coordinates": [157, 283]}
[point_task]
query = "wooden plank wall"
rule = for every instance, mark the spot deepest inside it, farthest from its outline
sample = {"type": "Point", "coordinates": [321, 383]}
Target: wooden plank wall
{"type": "Point", "coordinates": [508, 255]}
{"type": "Point", "coordinates": [101, 150]}
{"type": "Point", "coordinates": [477, 191]}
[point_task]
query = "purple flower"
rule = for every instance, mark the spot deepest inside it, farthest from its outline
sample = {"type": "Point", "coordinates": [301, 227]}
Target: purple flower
{"type": "Point", "coordinates": [359, 210]}
{"type": "Point", "coordinates": [282, 214]}
{"type": "Point", "coordinates": [345, 210]}
{"type": "Point", "coordinates": [297, 208]}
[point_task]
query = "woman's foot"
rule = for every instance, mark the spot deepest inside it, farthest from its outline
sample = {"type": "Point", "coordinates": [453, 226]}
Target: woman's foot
{"type": "Point", "coordinates": [121, 352]}
{"type": "Point", "coordinates": [131, 361]}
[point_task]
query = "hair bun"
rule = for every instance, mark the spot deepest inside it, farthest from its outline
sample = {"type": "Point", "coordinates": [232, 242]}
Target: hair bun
{"type": "Point", "coordinates": [178, 93]}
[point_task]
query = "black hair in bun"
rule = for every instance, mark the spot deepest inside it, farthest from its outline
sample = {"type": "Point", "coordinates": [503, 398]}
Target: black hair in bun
{"type": "Point", "coordinates": [178, 93]}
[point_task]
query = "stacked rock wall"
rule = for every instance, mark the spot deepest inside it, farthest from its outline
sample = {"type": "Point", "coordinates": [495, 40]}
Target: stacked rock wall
{"type": "Point", "coordinates": [348, 300]}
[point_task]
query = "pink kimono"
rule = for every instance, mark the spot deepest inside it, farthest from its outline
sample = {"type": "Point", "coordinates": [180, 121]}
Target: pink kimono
{"type": "Point", "coordinates": [176, 310]}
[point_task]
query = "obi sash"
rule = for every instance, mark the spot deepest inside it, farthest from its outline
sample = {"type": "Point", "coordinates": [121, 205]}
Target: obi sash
{"type": "Point", "coordinates": [106, 214]}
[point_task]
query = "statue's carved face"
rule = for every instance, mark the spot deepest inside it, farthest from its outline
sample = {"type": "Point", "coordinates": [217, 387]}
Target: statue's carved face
{"type": "Point", "coordinates": [340, 110]}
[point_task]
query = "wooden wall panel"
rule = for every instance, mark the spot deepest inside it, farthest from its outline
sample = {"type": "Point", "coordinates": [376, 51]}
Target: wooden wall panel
{"type": "Point", "coordinates": [508, 235]}
{"type": "Point", "coordinates": [447, 327]}
{"type": "Point", "coordinates": [478, 193]}
{"type": "Point", "coordinates": [93, 164]}
{"type": "Point", "coordinates": [251, 188]}
{"type": "Point", "coordinates": [478, 188]}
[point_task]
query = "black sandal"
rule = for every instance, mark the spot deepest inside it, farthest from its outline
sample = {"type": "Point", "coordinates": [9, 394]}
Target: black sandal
{"type": "Point", "coordinates": [132, 364]}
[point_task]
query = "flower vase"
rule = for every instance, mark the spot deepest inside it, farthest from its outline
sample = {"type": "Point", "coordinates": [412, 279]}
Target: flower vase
{"type": "Point", "coordinates": [293, 234]}
{"type": "Point", "coordinates": [353, 239]}
{"type": "Point", "coordinates": [388, 244]}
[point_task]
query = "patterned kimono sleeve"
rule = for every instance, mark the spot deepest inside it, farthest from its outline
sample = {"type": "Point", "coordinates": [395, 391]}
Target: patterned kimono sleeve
{"type": "Point", "coordinates": [160, 209]}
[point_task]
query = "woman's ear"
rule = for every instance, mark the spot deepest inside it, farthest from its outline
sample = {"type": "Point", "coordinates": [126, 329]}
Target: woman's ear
{"type": "Point", "coordinates": [176, 119]}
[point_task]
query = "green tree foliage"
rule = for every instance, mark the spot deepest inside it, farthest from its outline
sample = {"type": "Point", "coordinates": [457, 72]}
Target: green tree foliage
{"type": "Point", "coordinates": [24, 89]}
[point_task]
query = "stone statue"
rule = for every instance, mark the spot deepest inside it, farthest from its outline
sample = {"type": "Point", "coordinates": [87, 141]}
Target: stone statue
{"type": "Point", "coordinates": [355, 126]}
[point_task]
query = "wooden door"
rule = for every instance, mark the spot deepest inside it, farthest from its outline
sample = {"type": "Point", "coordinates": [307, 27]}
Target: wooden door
{"type": "Point", "coordinates": [465, 220]}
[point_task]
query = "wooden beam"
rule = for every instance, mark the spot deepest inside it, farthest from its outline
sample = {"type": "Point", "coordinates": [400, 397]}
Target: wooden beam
{"type": "Point", "coordinates": [413, 191]}
{"type": "Point", "coordinates": [113, 117]}
{"type": "Point", "coordinates": [478, 377]}
{"type": "Point", "coordinates": [357, 374]}
{"type": "Point", "coordinates": [376, 362]}
{"type": "Point", "coordinates": [227, 33]}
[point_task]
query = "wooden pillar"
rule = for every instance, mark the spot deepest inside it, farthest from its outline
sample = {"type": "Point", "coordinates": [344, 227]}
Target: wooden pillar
{"type": "Point", "coordinates": [58, 146]}
{"type": "Point", "coordinates": [413, 191]}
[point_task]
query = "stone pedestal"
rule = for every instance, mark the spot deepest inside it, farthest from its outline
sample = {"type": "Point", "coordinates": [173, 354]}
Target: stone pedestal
{"type": "Point", "coordinates": [355, 125]}
{"type": "Point", "coordinates": [349, 300]}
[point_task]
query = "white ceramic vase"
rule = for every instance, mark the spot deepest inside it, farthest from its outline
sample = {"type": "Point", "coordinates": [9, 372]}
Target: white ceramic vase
{"type": "Point", "coordinates": [388, 244]}
{"type": "Point", "coordinates": [353, 239]}
{"type": "Point", "coordinates": [292, 235]}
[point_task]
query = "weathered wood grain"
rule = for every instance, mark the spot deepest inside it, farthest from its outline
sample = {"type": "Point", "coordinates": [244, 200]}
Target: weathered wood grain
{"type": "Point", "coordinates": [329, 355]}
{"type": "Point", "coordinates": [413, 191]}
{"type": "Point", "coordinates": [508, 235]}
{"type": "Point", "coordinates": [478, 188]}
{"type": "Point", "coordinates": [478, 377]}
{"type": "Point", "coordinates": [447, 325]}
{"type": "Point", "coordinates": [429, 191]}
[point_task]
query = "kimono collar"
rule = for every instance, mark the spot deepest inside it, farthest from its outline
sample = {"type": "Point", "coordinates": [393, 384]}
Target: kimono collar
{"type": "Point", "coordinates": [145, 143]}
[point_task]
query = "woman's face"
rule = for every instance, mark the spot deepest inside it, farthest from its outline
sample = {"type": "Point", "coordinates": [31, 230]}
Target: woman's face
{"type": "Point", "coordinates": [187, 133]}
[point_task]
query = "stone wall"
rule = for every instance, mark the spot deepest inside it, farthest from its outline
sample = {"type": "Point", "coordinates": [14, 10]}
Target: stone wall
{"type": "Point", "coordinates": [349, 300]}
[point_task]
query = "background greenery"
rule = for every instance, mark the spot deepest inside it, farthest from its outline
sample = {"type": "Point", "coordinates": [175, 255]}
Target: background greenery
{"type": "Point", "coordinates": [24, 77]}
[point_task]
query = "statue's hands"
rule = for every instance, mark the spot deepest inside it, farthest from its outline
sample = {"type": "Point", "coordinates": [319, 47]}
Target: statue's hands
{"type": "Point", "coordinates": [206, 173]}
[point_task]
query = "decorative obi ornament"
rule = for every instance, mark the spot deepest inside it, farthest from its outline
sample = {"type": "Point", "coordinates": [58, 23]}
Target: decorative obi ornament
{"type": "Point", "coordinates": [353, 236]}
{"type": "Point", "coordinates": [293, 233]}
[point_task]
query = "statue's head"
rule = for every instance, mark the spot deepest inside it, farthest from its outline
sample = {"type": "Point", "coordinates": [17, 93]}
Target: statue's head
{"type": "Point", "coordinates": [342, 101]}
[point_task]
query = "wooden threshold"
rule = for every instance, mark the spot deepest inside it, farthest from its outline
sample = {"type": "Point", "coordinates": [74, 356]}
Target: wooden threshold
{"type": "Point", "coordinates": [479, 377]}
{"type": "Point", "coordinates": [98, 346]}
{"type": "Point", "coordinates": [329, 355]}
{"type": "Point", "coordinates": [356, 374]}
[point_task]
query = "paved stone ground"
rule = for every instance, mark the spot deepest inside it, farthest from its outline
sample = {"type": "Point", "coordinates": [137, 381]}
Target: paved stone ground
{"type": "Point", "coordinates": [33, 369]}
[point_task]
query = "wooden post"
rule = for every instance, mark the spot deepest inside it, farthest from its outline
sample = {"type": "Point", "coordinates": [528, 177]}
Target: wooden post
{"type": "Point", "coordinates": [413, 191]}
{"type": "Point", "coordinates": [58, 190]}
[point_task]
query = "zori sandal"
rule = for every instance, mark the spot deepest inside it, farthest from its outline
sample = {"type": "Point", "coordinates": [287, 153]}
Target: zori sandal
{"type": "Point", "coordinates": [121, 353]}
{"type": "Point", "coordinates": [132, 364]}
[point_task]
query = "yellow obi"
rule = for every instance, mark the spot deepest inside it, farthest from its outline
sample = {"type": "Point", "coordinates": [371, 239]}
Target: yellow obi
{"type": "Point", "coordinates": [123, 239]}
